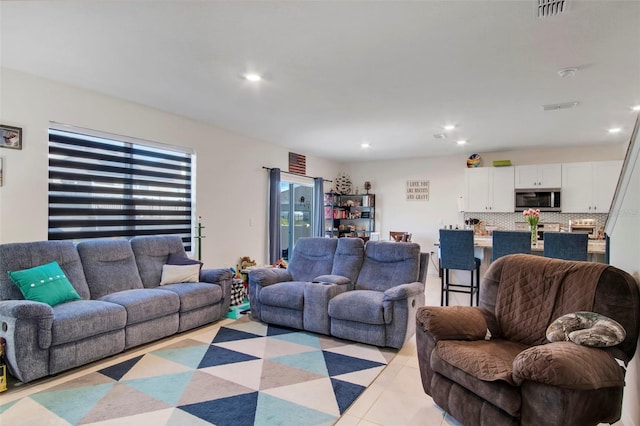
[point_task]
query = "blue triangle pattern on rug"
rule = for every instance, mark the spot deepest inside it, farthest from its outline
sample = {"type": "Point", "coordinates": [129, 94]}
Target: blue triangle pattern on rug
{"type": "Point", "coordinates": [273, 411]}
{"type": "Point", "coordinates": [167, 388]}
{"type": "Point", "coordinates": [189, 357]}
{"type": "Point", "coordinates": [341, 364]}
{"type": "Point", "coordinates": [346, 393]}
{"type": "Point", "coordinates": [228, 334]}
{"type": "Point", "coordinates": [300, 338]}
{"type": "Point", "coordinates": [273, 377]}
{"type": "Point", "coordinates": [308, 361]}
{"type": "Point", "coordinates": [219, 356]}
{"type": "Point", "coordinates": [117, 371]}
{"type": "Point", "coordinates": [72, 404]}
{"type": "Point", "coordinates": [274, 330]}
{"type": "Point", "coordinates": [237, 410]}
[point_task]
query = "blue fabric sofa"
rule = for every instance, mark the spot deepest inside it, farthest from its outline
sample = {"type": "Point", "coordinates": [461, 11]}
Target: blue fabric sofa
{"type": "Point", "coordinates": [121, 304]}
{"type": "Point", "coordinates": [345, 288]}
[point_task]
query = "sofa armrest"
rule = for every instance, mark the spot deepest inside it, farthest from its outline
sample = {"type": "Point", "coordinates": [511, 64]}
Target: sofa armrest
{"type": "Point", "coordinates": [215, 275]}
{"type": "Point", "coordinates": [568, 365]}
{"type": "Point", "coordinates": [267, 276]}
{"type": "Point", "coordinates": [404, 291]}
{"type": "Point", "coordinates": [26, 327]}
{"type": "Point", "coordinates": [333, 279]}
{"type": "Point", "coordinates": [452, 322]}
{"type": "Point", "coordinates": [25, 309]}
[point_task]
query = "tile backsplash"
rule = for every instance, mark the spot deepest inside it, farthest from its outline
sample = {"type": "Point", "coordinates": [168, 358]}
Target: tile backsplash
{"type": "Point", "coordinates": [506, 221]}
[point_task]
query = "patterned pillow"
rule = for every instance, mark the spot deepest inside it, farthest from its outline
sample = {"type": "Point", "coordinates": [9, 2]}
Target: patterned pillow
{"type": "Point", "coordinates": [587, 329]}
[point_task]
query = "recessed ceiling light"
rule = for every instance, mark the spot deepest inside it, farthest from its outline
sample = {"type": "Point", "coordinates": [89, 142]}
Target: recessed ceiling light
{"type": "Point", "coordinates": [365, 145]}
{"type": "Point", "coordinates": [251, 76]}
{"type": "Point", "coordinates": [615, 130]}
{"type": "Point", "coordinates": [461, 142]}
{"type": "Point", "coordinates": [440, 136]}
{"type": "Point", "coordinates": [635, 108]}
{"type": "Point", "coordinates": [450, 127]}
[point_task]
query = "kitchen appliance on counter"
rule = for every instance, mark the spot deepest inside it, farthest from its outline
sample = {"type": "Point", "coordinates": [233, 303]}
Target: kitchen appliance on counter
{"type": "Point", "coordinates": [585, 226]}
{"type": "Point", "coordinates": [542, 228]}
{"type": "Point", "coordinates": [547, 200]}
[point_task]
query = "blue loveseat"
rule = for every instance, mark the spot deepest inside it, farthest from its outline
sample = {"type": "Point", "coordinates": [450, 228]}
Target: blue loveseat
{"type": "Point", "coordinates": [119, 301]}
{"type": "Point", "coordinates": [343, 287]}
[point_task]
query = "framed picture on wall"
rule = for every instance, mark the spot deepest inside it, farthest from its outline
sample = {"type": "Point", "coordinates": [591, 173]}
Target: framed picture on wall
{"type": "Point", "coordinates": [10, 137]}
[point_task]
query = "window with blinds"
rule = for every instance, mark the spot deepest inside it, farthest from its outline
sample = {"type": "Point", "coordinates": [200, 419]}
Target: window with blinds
{"type": "Point", "coordinates": [100, 186]}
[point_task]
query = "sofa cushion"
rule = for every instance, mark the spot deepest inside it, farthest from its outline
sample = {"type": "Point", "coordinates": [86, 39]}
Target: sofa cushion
{"type": "Point", "coordinates": [145, 304]}
{"type": "Point", "coordinates": [360, 306]}
{"type": "Point", "coordinates": [286, 295]}
{"type": "Point", "coordinates": [153, 251]}
{"type": "Point", "coordinates": [85, 318]}
{"type": "Point", "coordinates": [348, 258]}
{"type": "Point", "coordinates": [500, 393]}
{"type": "Point", "coordinates": [45, 283]}
{"type": "Point", "coordinates": [174, 274]}
{"type": "Point", "coordinates": [487, 360]}
{"type": "Point", "coordinates": [387, 264]}
{"type": "Point", "coordinates": [109, 266]}
{"type": "Point", "coordinates": [312, 257]}
{"type": "Point", "coordinates": [18, 256]}
{"type": "Point", "coordinates": [195, 295]}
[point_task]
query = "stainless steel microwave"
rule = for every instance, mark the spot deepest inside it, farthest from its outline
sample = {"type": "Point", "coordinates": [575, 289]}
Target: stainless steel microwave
{"type": "Point", "coordinates": [547, 200]}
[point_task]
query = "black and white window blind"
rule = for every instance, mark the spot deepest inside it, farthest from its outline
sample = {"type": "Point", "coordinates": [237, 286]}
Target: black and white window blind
{"type": "Point", "coordinates": [102, 186]}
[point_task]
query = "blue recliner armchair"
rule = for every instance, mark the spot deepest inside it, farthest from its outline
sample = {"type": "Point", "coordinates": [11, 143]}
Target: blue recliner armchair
{"type": "Point", "coordinates": [389, 290]}
{"type": "Point", "coordinates": [297, 297]}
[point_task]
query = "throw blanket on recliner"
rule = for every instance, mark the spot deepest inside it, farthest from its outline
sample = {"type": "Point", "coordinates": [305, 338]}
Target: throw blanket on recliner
{"type": "Point", "coordinates": [534, 293]}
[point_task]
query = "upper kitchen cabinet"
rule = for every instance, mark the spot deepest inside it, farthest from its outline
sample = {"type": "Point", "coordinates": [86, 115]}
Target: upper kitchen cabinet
{"type": "Point", "coordinates": [538, 176]}
{"type": "Point", "coordinates": [589, 187]}
{"type": "Point", "coordinates": [489, 189]}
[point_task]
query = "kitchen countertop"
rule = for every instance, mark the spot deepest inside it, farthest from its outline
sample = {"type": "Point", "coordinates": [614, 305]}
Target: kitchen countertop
{"type": "Point", "coordinates": [595, 246]}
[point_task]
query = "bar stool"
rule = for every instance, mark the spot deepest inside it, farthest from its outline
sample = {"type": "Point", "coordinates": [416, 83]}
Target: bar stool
{"type": "Point", "coordinates": [456, 252]}
{"type": "Point", "coordinates": [566, 245]}
{"type": "Point", "coordinates": [510, 242]}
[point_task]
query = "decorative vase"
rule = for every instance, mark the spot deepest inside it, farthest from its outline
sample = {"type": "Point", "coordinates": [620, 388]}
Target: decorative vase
{"type": "Point", "coordinates": [534, 234]}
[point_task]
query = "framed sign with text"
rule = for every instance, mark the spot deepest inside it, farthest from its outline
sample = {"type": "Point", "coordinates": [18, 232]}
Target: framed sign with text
{"type": "Point", "coordinates": [417, 190]}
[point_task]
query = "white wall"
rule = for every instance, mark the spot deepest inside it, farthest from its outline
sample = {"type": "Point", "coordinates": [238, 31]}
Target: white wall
{"type": "Point", "coordinates": [231, 185]}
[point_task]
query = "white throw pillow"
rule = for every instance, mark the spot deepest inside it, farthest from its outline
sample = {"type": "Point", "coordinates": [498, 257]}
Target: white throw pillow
{"type": "Point", "coordinates": [174, 274]}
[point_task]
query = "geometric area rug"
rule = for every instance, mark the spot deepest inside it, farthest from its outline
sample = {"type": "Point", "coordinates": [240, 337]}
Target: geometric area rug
{"type": "Point", "coordinates": [249, 374]}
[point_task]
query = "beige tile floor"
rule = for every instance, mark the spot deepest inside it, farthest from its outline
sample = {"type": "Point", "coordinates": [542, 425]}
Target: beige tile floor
{"type": "Point", "coordinates": [395, 398]}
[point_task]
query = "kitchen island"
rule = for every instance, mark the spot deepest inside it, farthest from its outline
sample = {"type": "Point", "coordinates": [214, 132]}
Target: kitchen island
{"type": "Point", "coordinates": [595, 247]}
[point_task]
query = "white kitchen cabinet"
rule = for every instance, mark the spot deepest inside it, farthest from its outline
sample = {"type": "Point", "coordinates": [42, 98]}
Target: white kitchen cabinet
{"type": "Point", "coordinates": [538, 176]}
{"type": "Point", "coordinates": [489, 189]}
{"type": "Point", "coordinates": [589, 187]}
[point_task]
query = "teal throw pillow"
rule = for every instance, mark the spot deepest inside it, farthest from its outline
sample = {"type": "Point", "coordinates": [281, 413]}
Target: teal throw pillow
{"type": "Point", "coordinates": [45, 283]}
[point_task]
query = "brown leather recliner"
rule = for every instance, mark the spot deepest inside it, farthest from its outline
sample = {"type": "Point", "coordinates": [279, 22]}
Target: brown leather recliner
{"type": "Point", "coordinates": [493, 365]}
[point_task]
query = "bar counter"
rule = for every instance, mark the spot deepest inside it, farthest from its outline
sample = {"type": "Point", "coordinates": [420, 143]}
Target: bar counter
{"type": "Point", "coordinates": [594, 247]}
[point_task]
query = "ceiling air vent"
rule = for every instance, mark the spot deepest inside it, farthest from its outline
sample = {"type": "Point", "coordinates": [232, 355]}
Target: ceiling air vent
{"type": "Point", "coordinates": [551, 7]}
{"type": "Point", "coordinates": [564, 105]}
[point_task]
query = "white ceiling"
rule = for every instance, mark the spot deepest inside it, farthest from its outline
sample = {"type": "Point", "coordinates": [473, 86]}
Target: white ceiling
{"type": "Point", "coordinates": [338, 73]}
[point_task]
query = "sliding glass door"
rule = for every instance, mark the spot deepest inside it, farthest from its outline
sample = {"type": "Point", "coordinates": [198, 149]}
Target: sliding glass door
{"type": "Point", "coordinates": [296, 214]}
